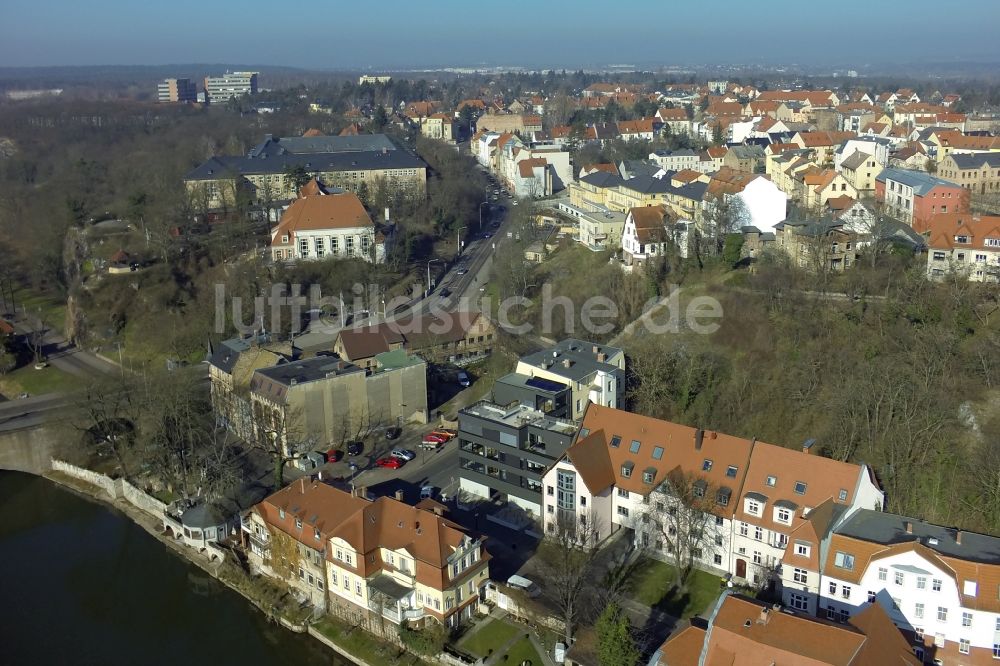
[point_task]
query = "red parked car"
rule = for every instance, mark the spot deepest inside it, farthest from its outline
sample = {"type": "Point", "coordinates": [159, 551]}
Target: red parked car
{"type": "Point", "coordinates": [391, 463]}
{"type": "Point", "coordinates": [334, 455]}
{"type": "Point", "coordinates": [434, 438]}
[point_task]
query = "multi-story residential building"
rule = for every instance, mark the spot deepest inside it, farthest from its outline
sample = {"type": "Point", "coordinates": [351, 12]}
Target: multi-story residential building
{"type": "Point", "coordinates": [505, 450]}
{"type": "Point", "coordinates": [818, 245]}
{"type": "Point", "coordinates": [321, 402]}
{"type": "Point", "coordinates": [675, 120]}
{"type": "Point", "coordinates": [964, 244]}
{"type": "Point", "coordinates": [820, 185]}
{"type": "Point", "coordinates": [232, 84]}
{"type": "Point", "coordinates": [977, 172]}
{"type": "Point", "coordinates": [176, 90]}
{"type": "Point", "coordinates": [763, 204]}
{"type": "Point", "coordinates": [916, 197]}
{"type": "Point", "coordinates": [824, 144]}
{"type": "Point", "coordinates": [763, 494]}
{"type": "Point", "coordinates": [596, 373]}
{"type": "Point", "coordinates": [782, 490]}
{"type": "Point", "coordinates": [322, 225]}
{"type": "Point", "coordinates": [676, 160]}
{"type": "Point", "coordinates": [597, 230]}
{"type": "Point", "coordinates": [940, 585]}
{"type": "Point", "coordinates": [345, 162]}
{"type": "Point", "coordinates": [522, 124]}
{"type": "Point", "coordinates": [749, 159]}
{"type": "Point", "coordinates": [740, 630]}
{"type": "Point", "coordinates": [382, 557]}
{"type": "Point", "coordinates": [231, 365]}
{"type": "Point", "coordinates": [616, 475]}
{"type": "Point", "coordinates": [860, 170]}
{"type": "Point", "coordinates": [439, 126]}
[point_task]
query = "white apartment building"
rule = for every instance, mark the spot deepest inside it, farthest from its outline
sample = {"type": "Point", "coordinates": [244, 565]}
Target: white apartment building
{"type": "Point", "coordinates": [964, 244]}
{"type": "Point", "coordinates": [231, 84]}
{"type": "Point", "coordinates": [321, 225]}
{"type": "Point", "coordinates": [939, 585]}
{"type": "Point", "coordinates": [676, 160]}
{"type": "Point", "coordinates": [596, 373]}
{"type": "Point", "coordinates": [762, 497]}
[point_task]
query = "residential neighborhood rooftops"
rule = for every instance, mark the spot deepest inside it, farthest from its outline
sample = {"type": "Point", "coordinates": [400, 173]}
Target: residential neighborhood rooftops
{"type": "Point", "coordinates": [573, 359]}
{"type": "Point", "coordinates": [224, 166]}
{"type": "Point", "coordinates": [888, 529]}
{"type": "Point", "coordinates": [302, 371]}
{"type": "Point", "coordinates": [518, 415]}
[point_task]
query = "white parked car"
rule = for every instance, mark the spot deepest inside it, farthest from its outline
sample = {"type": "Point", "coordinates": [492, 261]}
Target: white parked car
{"type": "Point", "coordinates": [403, 454]}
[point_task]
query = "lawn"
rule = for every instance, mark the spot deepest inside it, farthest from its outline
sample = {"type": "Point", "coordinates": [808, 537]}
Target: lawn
{"type": "Point", "coordinates": [652, 584]}
{"type": "Point", "coordinates": [365, 646]}
{"type": "Point", "coordinates": [490, 637]}
{"type": "Point", "coordinates": [38, 382]}
{"type": "Point", "coordinates": [521, 650]}
{"type": "Point", "coordinates": [51, 308]}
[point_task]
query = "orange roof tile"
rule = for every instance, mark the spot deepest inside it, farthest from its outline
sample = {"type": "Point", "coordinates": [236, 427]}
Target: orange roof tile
{"type": "Point", "coordinates": [321, 211]}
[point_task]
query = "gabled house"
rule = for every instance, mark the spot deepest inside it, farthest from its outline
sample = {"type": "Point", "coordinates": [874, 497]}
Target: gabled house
{"type": "Point", "coordinates": [763, 204]}
{"type": "Point", "coordinates": [818, 245]}
{"type": "Point", "coordinates": [647, 234]}
{"type": "Point", "coordinates": [964, 244]}
{"type": "Point", "coordinates": [916, 197]}
{"type": "Point", "coordinates": [384, 558]}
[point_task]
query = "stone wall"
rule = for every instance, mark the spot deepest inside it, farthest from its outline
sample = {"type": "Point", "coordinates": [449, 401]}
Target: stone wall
{"type": "Point", "coordinates": [30, 450]}
{"type": "Point", "coordinates": [116, 488]}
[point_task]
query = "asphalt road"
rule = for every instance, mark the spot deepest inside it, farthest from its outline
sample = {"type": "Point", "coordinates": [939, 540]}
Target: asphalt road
{"type": "Point", "coordinates": [32, 412]}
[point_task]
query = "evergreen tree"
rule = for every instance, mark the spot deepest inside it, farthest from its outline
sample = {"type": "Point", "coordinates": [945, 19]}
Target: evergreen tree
{"type": "Point", "coordinates": [615, 645]}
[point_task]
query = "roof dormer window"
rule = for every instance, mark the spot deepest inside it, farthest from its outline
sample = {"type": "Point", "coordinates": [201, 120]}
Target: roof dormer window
{"type": "Point", "coordinates": [800, 488]}
{"type": "Point", "coordinates": [627, 469]}
{"type": "Point", "coordinates": [731, 471]}
{"type": "Point", "coordinates": [616, 441]}
{"type": "Point", "coordinates": [706, 466]}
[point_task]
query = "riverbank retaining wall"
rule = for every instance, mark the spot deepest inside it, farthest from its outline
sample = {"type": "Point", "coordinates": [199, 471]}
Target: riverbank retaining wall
{"type": "Point", "coordinates": [30, 450]}
{"type": "Point", "coordinates": [115, 488]}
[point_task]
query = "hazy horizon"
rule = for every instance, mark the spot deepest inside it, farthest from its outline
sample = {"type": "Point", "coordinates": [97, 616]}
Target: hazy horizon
{"type": "Point", "coordinates": [555, 34]}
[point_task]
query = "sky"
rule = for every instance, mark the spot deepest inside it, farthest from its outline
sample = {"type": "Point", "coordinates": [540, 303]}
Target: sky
{"type": "Point", "coordinates": [534, 33]}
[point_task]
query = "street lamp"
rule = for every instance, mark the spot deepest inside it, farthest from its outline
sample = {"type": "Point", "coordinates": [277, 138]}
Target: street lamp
{"type": "Point", "coordinates": [427, 293]}
{"type": "Point", "coordinates": [458, 241]}
{"type": "Point", "coordinates": [480, 227]}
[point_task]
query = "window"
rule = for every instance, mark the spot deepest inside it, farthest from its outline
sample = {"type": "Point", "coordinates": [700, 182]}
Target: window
{"type": "Point", "coordinates": [921, 582]}
{"type": "Point", "coordinates": [996, 650]}
{"type": "Point", "coordinates": [771, 480]}
{"type": "Point", "coordinates": [939, 640]}
{"type": "Point", "coordinates": [942, 614]}
{"type": "Point", "coordinates": [550, 491]}
{"type": "Point", "coordinates": [969, 588]}
{"type": "Point", "coordinates": [302, 573]}
{"type": "Point", "coordinates": [871, 597]}
{"type": "Point", "coordinates": [281, 513]}
{"type": "Point", "coordinates": [622, 493]}
{"type": "Point", "coordinates": [843, 560]}
{"type": "Point", "coordinates": [843, 493]}
{"type": "Point", "coordinates": [798, 602]}
{"type": "Point", "coordinates": [731, 471]}
{"type": "Point", "coordinates": [802, 549]}
{"type": "Point", "coordinates": [717, 559]}
{"type": "Point", "coordinates": [583, 500]}
{"type": "Point", "coordinates": [626, 471]}
{"type": "Point", "coordinates": [744, 529]}
{"type": "Point", "coordinates": [719, 520]}
{"type": "Point", "coordinates": [657, 452]}
{"type": "Point", "coordinates": [634, 446]}
{"type": "Point", "coordinates": [347, 582]}
{"type": "Point", "coordinates": [783, 515]}
{"type": "Point", "coordinates": [936, 584]}
{"type": "Point", "coordinates": [833, 588]}
{"type": "Point", "coordinates": [895, 603]}
{"type": "Point", "coordinates": [648, 476]}
{"type": "Point", "coordinates": [918, 611]}
{"type": "Point", "coordinates": [298, 523]}
{"type": "Point", "coordinates": [758, 533]}
{"type": "Point", "coordinates": [963, 645]}
{"type": "Point", "coordinates": [758, 558]}
{"type": "Point", "coordinates": [753, 508]}
{"type": "Point", "coordinates": [800, 488]}
{"type": "Point", "coordinates": [845, 591]}
{"type": "Point", "coordinates": [966, 619]}
{"type": "Point", "coordinates": [883, 573]}
{"type": "Point", "coordinates": [316, 535]}
{"type": "Point", "coordinates": [550, 508]}
{"type": "Point", "coordinates": [898, 577]}
{"type": "Point", "coordinates": [706, 466]}
{"type": "Point", "coordinates": [616, 441]}
{"type": "Point", "coordinates": [918, 632]}
{"type": "Point", "coordinates": [623, 511]}
{"type": "Point", "coordinates": [800, 576]}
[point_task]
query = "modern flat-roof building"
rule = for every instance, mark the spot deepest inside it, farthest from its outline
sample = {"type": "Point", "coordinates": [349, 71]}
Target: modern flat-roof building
{"type": "Point", "coordinates": [505, 450]}
{"type": "Point", "coordinates": [176, 90]}
{"type": "Point", "coordinates": [231, 84]}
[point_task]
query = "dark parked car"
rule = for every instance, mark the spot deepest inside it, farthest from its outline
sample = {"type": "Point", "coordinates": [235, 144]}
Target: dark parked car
{"type": "Point", "coordinates": [355, 448]}
{"type": "Point", "coordinates": [393, 432]}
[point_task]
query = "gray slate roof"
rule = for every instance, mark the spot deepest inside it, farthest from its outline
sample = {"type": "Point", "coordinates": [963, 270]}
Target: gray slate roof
{"type": "Point", "coordinates": [311, 145]}
{"type": "Point", "coordinates": [921, 182]}
{"type": "Point", "coordinates": [601, 179]}
{"type": "Point", "coordinates": [581, 353]}
{"type": "Point", "coordinates": [856, 160]}
{"type": "Point", "coordinates": [888, 529]}
{"type": "Point", "coordinates": [976, 160]}
{"type": "Point", "coordinates": [307, 370]}
{"type": "Point", "coordinates": [217, 167]}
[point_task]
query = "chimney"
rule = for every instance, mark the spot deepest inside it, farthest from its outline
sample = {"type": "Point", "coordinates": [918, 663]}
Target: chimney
{"type": "Point", "coordinates": [302, 485]}
{"type": "Point", "coordinates": [765, 614]}
{"type": "Point", "coordinates": [362, 491]}
{"type": "Point", "coordinates": [567, 363]}
{"type": "Point", "coordinates": [596, 349]}
{"type": "Point", "coordinates": [699, 435]}
{"type": "Point", "coordinates": [601, 357]}
{"type": "Point", "coordinates": [958, 537]}
{"type": "Point", "coordinates": [909, 527]}
{"type": "Point", "coordinates": [714, 435]}
{"type": "Point", "coordinates": [438, 510]}
{"type": "Point", "coordinates": [399, 495]}
{"type": "Point", "coordinates": [386, 213]}
{"type": "Point", "coordinates": [319, 475]}
{"type": "Point", "coordinates": [807, 445]}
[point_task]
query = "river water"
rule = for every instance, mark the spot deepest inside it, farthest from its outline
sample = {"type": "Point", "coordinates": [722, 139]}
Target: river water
{"type": "Point", "coordinates": [82, 584]}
